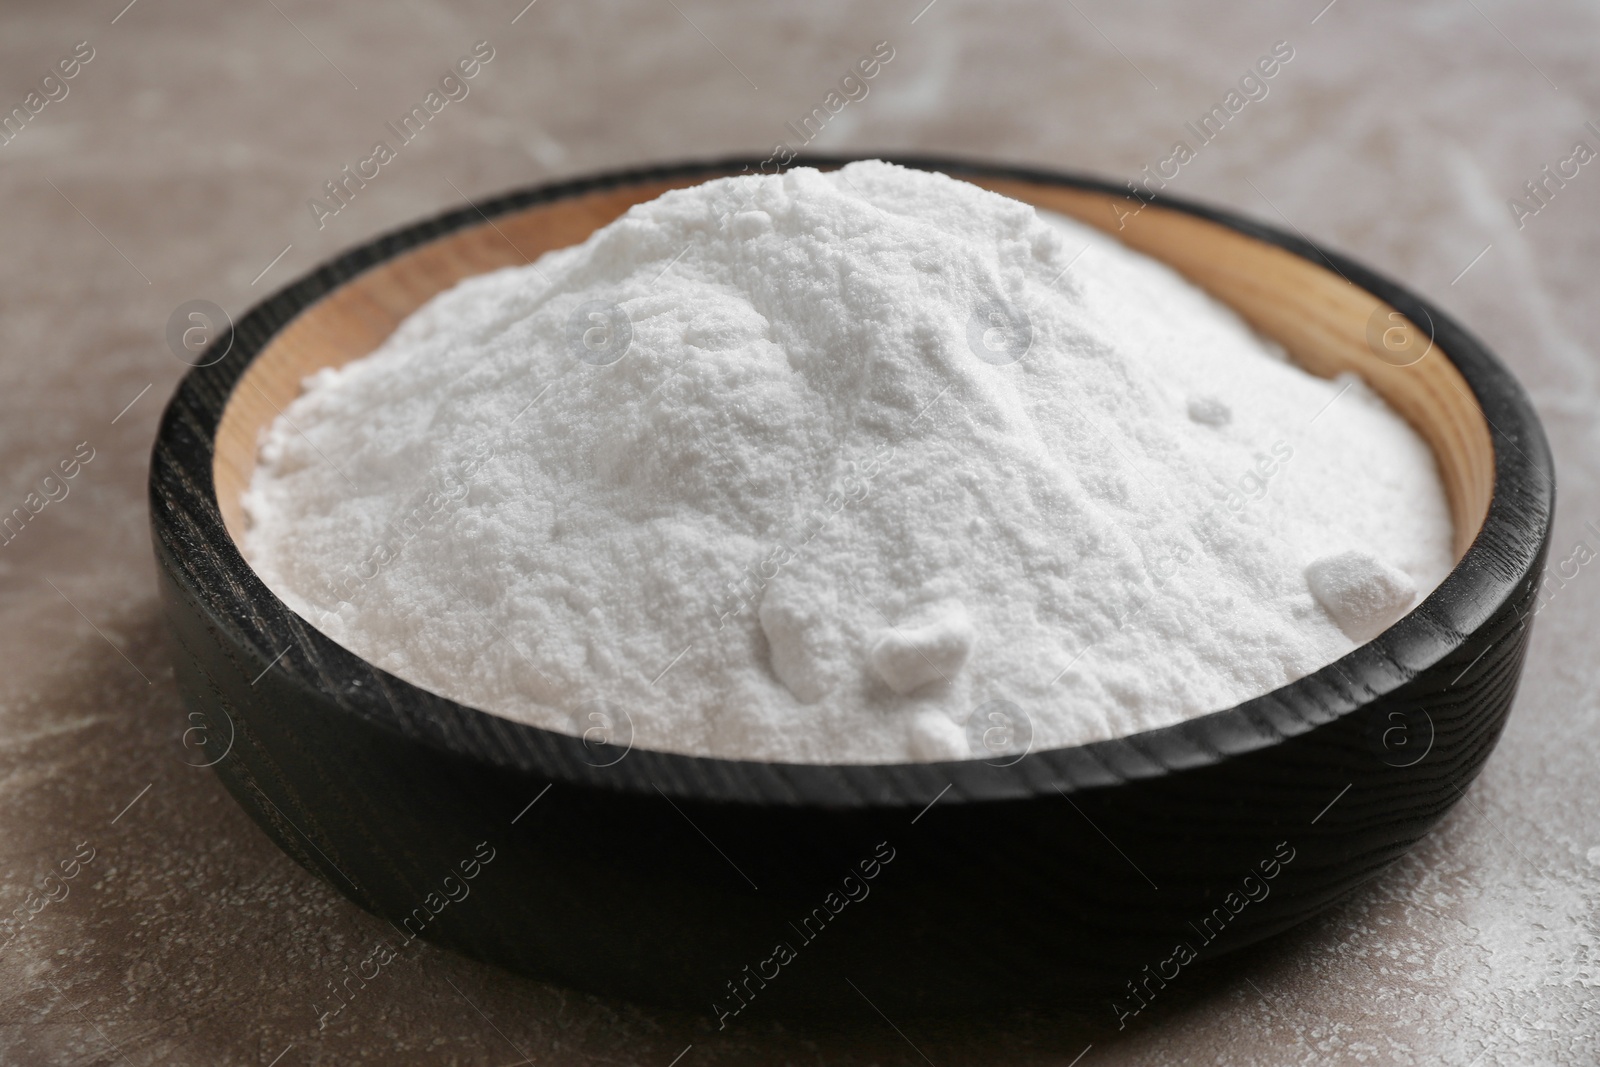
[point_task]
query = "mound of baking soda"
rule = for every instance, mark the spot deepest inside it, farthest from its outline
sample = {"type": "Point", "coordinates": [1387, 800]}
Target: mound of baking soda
{"type": "Point", "coordinates": [863, 466]}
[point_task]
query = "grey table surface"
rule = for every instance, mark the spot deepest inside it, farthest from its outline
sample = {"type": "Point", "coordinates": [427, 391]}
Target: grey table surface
{"type": "Point", "coordinates": [178, 166]}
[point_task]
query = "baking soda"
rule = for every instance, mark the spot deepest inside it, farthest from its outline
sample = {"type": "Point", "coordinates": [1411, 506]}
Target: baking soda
{"type": "Point", "coordinates": [863, 466]}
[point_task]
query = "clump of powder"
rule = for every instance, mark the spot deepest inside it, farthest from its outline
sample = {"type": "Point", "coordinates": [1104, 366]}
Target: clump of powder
{"type": "Point", "coordinates": [810, 467]}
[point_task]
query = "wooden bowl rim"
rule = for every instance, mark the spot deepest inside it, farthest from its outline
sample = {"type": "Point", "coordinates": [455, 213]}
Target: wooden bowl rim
{"type": "Point", "coordinates": [1502, 560]}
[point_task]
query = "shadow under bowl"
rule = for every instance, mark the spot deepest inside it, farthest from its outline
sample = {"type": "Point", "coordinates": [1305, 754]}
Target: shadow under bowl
{"type": "Point", "coordinates": [717, 884]}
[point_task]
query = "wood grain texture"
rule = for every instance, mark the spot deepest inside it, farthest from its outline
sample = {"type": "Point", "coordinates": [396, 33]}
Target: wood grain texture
{"type": "Point", "coordinates": [662, 876]}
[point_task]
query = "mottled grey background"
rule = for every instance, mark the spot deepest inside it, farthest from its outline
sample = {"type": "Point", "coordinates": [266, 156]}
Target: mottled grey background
{"type": "Point", "coordinates": [179, 165]}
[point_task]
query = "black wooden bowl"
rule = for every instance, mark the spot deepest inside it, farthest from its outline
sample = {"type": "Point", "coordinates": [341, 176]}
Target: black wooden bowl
{"type": "Point", "coordinates": [1102, 869]}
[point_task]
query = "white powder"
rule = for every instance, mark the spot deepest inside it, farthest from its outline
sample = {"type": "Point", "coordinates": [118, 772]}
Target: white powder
{"type": "Point", "coordinates": [812, 467]}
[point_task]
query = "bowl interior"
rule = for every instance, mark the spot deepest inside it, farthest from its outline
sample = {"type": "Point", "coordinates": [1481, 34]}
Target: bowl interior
{"type": "Point", "coordinates": [1321, 319]}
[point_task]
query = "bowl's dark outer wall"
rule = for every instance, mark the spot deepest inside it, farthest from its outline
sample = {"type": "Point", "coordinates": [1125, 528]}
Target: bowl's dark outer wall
{"type": "Point", "coordinates": [663, 877]}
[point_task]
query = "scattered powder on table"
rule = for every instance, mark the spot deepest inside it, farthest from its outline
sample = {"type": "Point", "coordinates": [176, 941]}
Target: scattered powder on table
{"type": "Point", "coordinates": [854, 467]}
